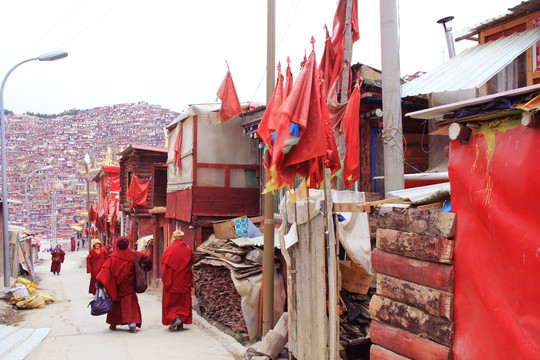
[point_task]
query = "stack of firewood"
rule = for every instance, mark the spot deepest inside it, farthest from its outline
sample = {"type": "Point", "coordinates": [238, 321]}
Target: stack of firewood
{"type": "Point", "coordinates": [354, 319]}
{"type": "Point", "coordinates": [216, 261]}
{"type": "Point", "coordinates": [412, 309]}
{"type": "Point", "coordinates": [218, 298]}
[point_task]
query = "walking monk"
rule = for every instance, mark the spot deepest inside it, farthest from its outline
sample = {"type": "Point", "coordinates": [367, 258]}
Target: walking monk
{"type": "Point", "coordinates": [57, 256]}
{"type": "Point", "coordinates": [117, 276]}
{"type": "Point", "coordinates": [177, 277]}
{"type": "Point", "coordinates": [94, 261]}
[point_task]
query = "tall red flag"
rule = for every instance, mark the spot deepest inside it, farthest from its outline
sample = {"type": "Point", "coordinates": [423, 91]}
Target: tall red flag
{"type": "Point", "coordinates": [230, 105]}
{"type": "Point", "coordinates": [339, 26]}
{"type": "Point", "coordinates": [351, 127]}
{"type": "Point", "coordinates": [300, 136]}
{"type": "Point", "coordinates": [289, 78]}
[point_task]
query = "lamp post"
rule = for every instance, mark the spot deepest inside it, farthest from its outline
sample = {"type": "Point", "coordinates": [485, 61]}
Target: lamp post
{"type": "Point", "coordinates": [26, 192]}
{"type": "Point", "coordinates": [55, 55]}
{"type": "Point", "coordinates": [87, 167]}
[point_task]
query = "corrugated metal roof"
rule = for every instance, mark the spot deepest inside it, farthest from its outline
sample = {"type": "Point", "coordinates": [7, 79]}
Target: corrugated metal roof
{"type": "Point", "coordinates": [523, 9]}
{"type": "Point", "coordinates": [438, 112]}
{"type": "Point", "coordinates": [473, 67]}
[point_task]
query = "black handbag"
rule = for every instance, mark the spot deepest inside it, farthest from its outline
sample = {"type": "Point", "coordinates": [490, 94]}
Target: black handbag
{"type": "Point", "coordinates": [101, 304]}
{"type": "Point", "coordinates": [140, 276]}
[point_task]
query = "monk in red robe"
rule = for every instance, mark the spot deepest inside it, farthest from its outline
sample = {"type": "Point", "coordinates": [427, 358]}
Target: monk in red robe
{"type": "Point", "coordinates": [94, 261]}
{"type": "Point", "coordinates": [57, 256]}
{"type": "Point", "coordinates": [117, 276]}
{"type": "Point", "coordinates": [177, 277]}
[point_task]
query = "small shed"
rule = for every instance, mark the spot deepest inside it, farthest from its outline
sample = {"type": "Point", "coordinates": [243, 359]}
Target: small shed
{"type": "Point", "coordinates": [213, 172]}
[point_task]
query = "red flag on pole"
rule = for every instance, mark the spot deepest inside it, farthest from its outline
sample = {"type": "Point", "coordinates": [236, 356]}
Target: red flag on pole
{"type": "Point", "coordinates": [289, 78]}
{"type": "Point", "coordinates": [300, 136]}
{"type": "Point", "coordinates": [339, 26]}
{"type": "Point", "coordinates": [230, 105]}
{"type": "Point", "coordinates": [351, 171]}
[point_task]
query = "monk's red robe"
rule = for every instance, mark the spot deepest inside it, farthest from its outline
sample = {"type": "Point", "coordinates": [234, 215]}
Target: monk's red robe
{"type": "Point", "coordinates": [118, 278]}
{"type": "Point", "coordinates": [177, 276]}
{"type": "Point", "coordinates": [57, 257]}
{"type": "Point", "coordinates": [94, 262]}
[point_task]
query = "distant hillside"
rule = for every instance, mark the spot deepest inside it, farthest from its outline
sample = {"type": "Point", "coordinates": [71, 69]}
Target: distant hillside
{"type": "Point", "coordinates": [33, 140]}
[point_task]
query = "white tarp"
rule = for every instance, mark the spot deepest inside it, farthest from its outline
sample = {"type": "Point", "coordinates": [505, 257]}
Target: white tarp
{"type": "Point", "coordinates": [353, 232]}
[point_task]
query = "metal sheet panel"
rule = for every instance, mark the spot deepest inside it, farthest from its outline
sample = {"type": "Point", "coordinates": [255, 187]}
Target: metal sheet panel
{"type": "Point", "coordinates": [473, 67]}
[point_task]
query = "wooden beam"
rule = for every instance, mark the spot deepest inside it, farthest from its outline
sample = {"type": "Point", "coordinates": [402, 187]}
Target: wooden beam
{"type": "Point", "coordinates": [407, 344]}
{"type": "Point", "coordinates": [459, 132]}
{"type": "Point", "coordinates": [438, 276]}
{"type": "Point", "coordinates": [332, 261]}
{"type": "Point", "coordinates": [363, 207]}
{"type": "Point", "coordinates": [423, 247]}
{"type": "Point", "coordinates": [414, 320]}
{"type": "Point", "coordinates": [433, 301]}
{"type": "Point", "coordinates": [529, 119]}
{"type": "Point", "coordinates": [377, 352]}
{"type": "Point", "coordinates": [430, 222]}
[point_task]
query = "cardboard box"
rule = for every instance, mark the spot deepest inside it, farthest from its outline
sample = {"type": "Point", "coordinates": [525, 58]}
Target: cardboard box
{"type": "Point", "coordinates": [224, 229]}
{"type": "Point", "coordinates": [354, 278]}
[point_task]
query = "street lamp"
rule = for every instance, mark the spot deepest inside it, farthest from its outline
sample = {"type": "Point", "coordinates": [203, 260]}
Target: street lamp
{"type": "Point", "coordinates": [87, 167]}
{"type": "Point", "coordinates": [55, 55]}
{"type": "Point", "coordinates": [26, 192]}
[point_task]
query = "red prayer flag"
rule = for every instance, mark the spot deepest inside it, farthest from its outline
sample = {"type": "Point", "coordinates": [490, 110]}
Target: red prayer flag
{"type": "Point", "coordinates": [351, 127]}
{"type": "Point", "coordinates": [289, 78]}
{"type": "Point", "coordinates": [230, 105]}
{"type": "Point", "coordinates": [326, 66]}
{"type": "Point", "coordinates": [339, 26]}
{"type": "Point", "coordinates": [138, 191]}
{"type": "Point", "coordinates": [300, 136]}
{"type": "Point", "coordinates": [268, 122]}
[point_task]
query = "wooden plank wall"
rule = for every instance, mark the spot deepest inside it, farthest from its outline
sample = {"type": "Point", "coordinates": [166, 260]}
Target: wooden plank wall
{"type": "Point", "coordinates": [412, 311]}
{"type": "Point", "coordinates": [308, 321]}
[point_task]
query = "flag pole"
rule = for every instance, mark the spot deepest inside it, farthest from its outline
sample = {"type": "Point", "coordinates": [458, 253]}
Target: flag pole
{"type": "Point", "coordinates": [268, 259]}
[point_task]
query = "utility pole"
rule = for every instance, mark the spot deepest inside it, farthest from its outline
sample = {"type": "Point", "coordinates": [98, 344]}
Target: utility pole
{"type": "Point", "coordinates": [268, 259]}
{"type": "Point", "coordinates": [391, 94]}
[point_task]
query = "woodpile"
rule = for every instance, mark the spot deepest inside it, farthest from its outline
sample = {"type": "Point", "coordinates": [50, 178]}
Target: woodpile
{"type": "Point", "coordinates": [412, 310]}
{"type": "Point", "coordinates": [216, 261]}
{"type": "Point", "coordinates": [354, 319]}
{"type": "Point", "coordinates": [218, 298]}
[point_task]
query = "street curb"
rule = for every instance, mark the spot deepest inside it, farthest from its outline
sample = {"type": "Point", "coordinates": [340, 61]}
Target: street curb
{"type": "Point", "coordinates": [229, 343]}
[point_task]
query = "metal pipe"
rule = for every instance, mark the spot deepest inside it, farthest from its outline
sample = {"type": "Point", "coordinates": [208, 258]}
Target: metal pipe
{"type": "Point", "coordinates": [448, 34]}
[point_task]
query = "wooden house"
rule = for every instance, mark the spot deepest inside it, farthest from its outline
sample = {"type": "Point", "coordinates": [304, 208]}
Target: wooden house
{"type": "Point", "coordinates": [213, 173]}
{"type": "Point", "coordinates": [108, 188]}
{"type": "Point", "coordinates": [148, 165]}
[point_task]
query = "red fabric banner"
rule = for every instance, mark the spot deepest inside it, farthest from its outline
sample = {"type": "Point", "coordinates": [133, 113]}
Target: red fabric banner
{"type": "Point", "coordinates": [178, 150]}
{"type": "Point", "coordinates": [230, 105]}
{"type": "Point", "coordinates": [351, 168]}
{"type": "Point", "coordinates": [138, 191]}
{"type": "Point", "coordinates": [339, 27]}
{"type": "Point", "coordinates": [299, 139]}
{"type": "Point", "coordinates": [495, 180]}
{"type": "Point", "coordinates": [326, 66]}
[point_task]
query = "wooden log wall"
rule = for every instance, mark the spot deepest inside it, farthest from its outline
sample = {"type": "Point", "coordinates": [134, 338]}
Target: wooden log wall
{"type": "Point", "coordinates": [412, 311]}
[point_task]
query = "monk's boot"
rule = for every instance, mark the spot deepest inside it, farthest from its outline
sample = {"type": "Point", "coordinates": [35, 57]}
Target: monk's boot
{"type": "Point", "coordinates": [176, 324]}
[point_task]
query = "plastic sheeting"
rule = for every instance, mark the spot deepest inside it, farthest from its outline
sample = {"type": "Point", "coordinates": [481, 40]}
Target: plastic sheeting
{"type": "Point", "coordinates": [495, 181]}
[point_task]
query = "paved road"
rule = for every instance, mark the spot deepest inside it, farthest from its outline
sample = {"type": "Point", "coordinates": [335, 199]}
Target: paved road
{"type": "Point", "coordinates": [75, 334]}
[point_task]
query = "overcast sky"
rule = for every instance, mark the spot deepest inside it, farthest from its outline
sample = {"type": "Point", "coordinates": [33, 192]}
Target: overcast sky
{"type": "Point", "coordinates": [173, 53]}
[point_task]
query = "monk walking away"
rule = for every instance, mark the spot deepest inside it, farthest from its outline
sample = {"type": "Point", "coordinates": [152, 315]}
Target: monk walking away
{"type": "Point", "coordinates": [57, 257]}
{"type": "Point", "coordinates": [117, 276]}
{"type": "Point", "coordinates": [177, 277]}
{"type": "Point", "coordinates": [94, 261]}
